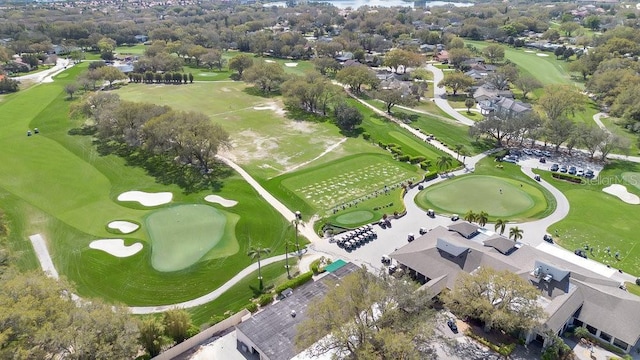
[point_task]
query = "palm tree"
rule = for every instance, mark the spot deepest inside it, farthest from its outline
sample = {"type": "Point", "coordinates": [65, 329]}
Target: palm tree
{"type": "Point", "coordinates": [459, 148]}
{"type": "Point", "coordinates": [470, 216]}
{"type": "Point", "coordinates": [287, 244]}
{"type": "Point", "coordinates": [482, 218]}
{"type": "Point", "coordinates": [501, 224]}
{"type": "Point", "coordinates": [515, 233]}
{"type": "Point", "coordinates": [256, 253]}
{"type": "Point", "coordinates": [444, 162]}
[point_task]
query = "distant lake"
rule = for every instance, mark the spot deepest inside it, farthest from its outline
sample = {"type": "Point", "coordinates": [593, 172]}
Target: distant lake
{"type": "Point", "coordinates": [354, 4]}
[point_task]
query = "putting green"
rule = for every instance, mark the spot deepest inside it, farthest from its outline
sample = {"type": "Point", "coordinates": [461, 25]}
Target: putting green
{"type": "Point", "coordinates": [499, 197]}
{"type": "Point", "coordinates": [182, 235]}
{"type": "Point", "coordinates": [633, 178]}
{"type": "Point", "coordinates": [354, 217]}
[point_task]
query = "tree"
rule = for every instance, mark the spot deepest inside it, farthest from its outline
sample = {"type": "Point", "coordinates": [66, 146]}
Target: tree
{"type": "Point", "coordinates": [287, 244]}
{"type": "Point", "coordinates": [468, 103]}
{"type": "Point", "coordinates": [196, 52]}
{"type": "Point", "coordinates": [177, 324]}
{"type": "Point", "coordinates": [592, 22]}
{"type": "Point", "coordinates": [502, 300]}
{"type": "Point", "coordinates": [399, 57]}
{"type": "Point", "coordinates": [71, 89]}
{"type": "Point", "coordinates": [256, 253]}
{"type": "Point", "coordinates": [240, 63]}
{"type": "Point", "coordinates": [558, 130]}
{"type": "Point", "coordinates": [613, 142]}
{"type": "Point", "coordinates": [458, 56]}
{"type": "Point", "coordinates": [152, 336]}
{"type": "Point", "coordinates": [357, 76]}
{"type": "Point", "coordinates": [569, 27]}
{"type": "Point", "coordinates": [369, 317]}
{"type": "Point", "coordinates": [40, 320]}
{"type": "Point", "coordinates": [106, 47]}
{"type": "Point", "coordinates": [267, 76]}
{"type": "Point", "coordinates": [392, 97]}
{"type": "Point", "coordinates": [111, 74]}
{"type": "Point", "coordinates": [590, 136]}
{"type": "Point", "coordinates": [493, 53]}
{"type": "Point", "coordinates": [482, 218]}
{"type": "Point", "coordinates": [347, 117]}
{"type": "Point", "coordinates": [500, 224]}
{"type": "Point", "coordinates": [213, 58]}
{"type": "Point", "coordinates": [456, 81]}
{"type": "Point", "coordinates": [494, 127]}
{"type": "Point", "coordinates": [580, 66]}
{"type": "Point", "coordinates": [515, 233]}
{"type": "Point", "coordinates": [556, 348]}
{"type": "Point", "coordinates": [560, 100]}
{"type": "Point", "coordinates": [443, 162]}
{"type": "Point", "coordinates": [311, 92]}
{"type": "Point", "coordinates": [326, 65]}
{"type": "Point", "coordinates": [470, 216]}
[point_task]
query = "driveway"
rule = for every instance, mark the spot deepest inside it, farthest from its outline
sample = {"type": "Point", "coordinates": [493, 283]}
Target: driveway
{"type": "Point", "coordinates": [440, 97]}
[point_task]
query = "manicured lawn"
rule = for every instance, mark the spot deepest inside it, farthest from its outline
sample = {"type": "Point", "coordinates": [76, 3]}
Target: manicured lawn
{"type": "Point", "coordinates": [449, 132]}
{"type": "Point", "coordinates": [137, 49]}
{"type": "Point", "coordinates": [612, 125]}
{"type": "Point", "coordinates": [57, 185]}
{"type": "Point", "coordinates": [601, 220]}
{"type": "Point", "coordinates": [633, 288]}
{"type": "Point", "coordinates": [240, 294]}
{"type": "Point", "coordinates": [356, 182]}
{"type": "Point", "coordinates": [473, 115]}
{"type": "Point", "coordinates": [545, 68]}
{"type": "Point", "coordinates": [500, 197]}
{"type": "Point", "coordinates": [204, 74]}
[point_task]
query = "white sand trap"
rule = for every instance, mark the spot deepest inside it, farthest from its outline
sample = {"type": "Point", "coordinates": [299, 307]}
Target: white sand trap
{"type": "Point", "coordinates": [124, 227]}
{"type": "Point", "coordinates": [621, 192]}
{"type": "Point", "coordinates": [291, 64]}
{"type": "Point", "coordinates": [220, 200]}
{"type": "Point", "coordinates": [145, 198]}
{"type": "Point", "coordinates": [269, 61]}
{"type": "Point", "coordinates": [542, 55]}
{"type": "Point", "coordinates": [116, 247]}
{"type": "Point", "coordinates": [529, 51]}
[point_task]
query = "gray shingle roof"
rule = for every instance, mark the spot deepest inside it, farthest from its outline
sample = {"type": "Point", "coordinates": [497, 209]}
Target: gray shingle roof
{"type": "Point", "coordinates": [466, 229]}
{"type": "Point", "coordinates": [273, 329]}
{"type": "Point", "coordinates": [500, 243]}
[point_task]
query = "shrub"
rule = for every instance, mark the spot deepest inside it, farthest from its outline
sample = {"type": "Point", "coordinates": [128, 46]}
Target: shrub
{"type": "Point", "coordinates": [366, 135]}
{"type": "Point", "coordinates": [430, 176]}
{"type": "Point", "coordinates": [252, 307]}
{"type": "Point", "coordinates": [403, 158]}
{"type": "Point", "coordinates": [315, 267]}
{"type": "Point", "coordinates": [638, 281]}
{"type": "Point", "coordinates": [265, 299]}
{"type": "Point", "coordinates": [295, 282]}
{"type": "Point", "coordinates": [567, 177]}
{"type": "Point", "coordinates": [416, 159]}
{"type": "Point", "coordinates": [424, 165]}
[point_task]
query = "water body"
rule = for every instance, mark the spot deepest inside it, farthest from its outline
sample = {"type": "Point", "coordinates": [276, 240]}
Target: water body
{"type": "Point", "coordinates": [354, 4]}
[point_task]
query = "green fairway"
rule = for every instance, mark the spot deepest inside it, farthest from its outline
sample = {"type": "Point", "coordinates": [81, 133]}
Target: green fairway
{"type": "Point", "coordinates": [601, 220]}
{"type": "Point", "coordinates": [57, 185]}
{"type": "Point", "coordinates": [545, 68]}
{"type": "Point", "coordinates": [341, 184]}
{"type": "Point", "coordinates": [499, 197]}
{"type": "Point", "coordinates": [182, 235]}
{"type": "Point", "coordinates": [137, 49]}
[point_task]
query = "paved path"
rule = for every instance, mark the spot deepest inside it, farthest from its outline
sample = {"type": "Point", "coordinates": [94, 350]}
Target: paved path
{"type": "Point", "coordinates": [596, 119]}
{"type": "Point", "coordinates": [46, 76]}
{"type": "Point", "coordinates": [42, 253]}
{"type": "Point", "coordinates": [440, 97]}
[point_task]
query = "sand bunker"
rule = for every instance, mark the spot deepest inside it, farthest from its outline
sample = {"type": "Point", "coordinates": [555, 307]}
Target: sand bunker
{"type": "Point", "coordinates": [291, 64]}
{"type": "Point", "coordinates": [621, 192]}
{"type": "Point", "coordinates": [269, 61]}
{"type": "Point", "coordinates": [529, 51]}
{"type": "Point", "coordinates": [220, 200]}
{"type": "Point", "coordinates": [277, 109]}
{"type": "Point", "coordinates": [124, 227]}
{"type": "Point", "coordinates": [146, 199]}
{"type": "Point", "coordinates": [116, 247]}
{"type": "Point", "coordinates": [542, 55]}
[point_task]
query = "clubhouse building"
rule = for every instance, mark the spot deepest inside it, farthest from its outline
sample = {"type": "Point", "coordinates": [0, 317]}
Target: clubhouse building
{"type": "Point", "coordinates": [570, 294]}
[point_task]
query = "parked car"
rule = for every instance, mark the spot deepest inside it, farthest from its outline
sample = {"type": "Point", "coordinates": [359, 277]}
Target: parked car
{"type": "Point", "coordinates": [451, 323]}
{"type": "Point", "coordinates": [580, 172]}
{"type": "Point", "coordinates": [537, 152]}
{"type": "Point", "coordinates": [527, 151]}
{"type": "Point", "coordinates": [547, 238]}
{"type": "Point", "coordinates": [546, 153]}
{"type": "Point", "coordinates": [554, 167]}
{"type": "Point", "coordinates": [572, 170]}
{"type": "Point", "coordinates": [563, 169]}
{"type": "Point", "coordinates": [589, 173]}
{"type": "Point", "coordinates": [580, 253]}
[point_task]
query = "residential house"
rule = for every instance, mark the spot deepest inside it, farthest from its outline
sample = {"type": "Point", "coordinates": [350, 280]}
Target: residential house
{"type": "Point", "coordinates": [487, 92]}
{"type": "Point", "coordinates": [572, 291]}
{"type": "Point", "coordinates": [504, 107]}
{"type": "Point", "coordinates": [442, 56]}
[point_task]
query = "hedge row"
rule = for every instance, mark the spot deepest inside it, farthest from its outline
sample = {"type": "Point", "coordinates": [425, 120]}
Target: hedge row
{"type": "Point", "coordinates": [567, 177]}
{"type": "Point", "coordinates": [502, 349]}
{"type": "Point", "coordinates": [430, 176]}
{"type": "Point", "coordinates": [295, 282]}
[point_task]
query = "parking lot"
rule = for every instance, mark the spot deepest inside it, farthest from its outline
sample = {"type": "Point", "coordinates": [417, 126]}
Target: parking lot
{"type": "Point", "coordinates": [578, 163]}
